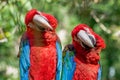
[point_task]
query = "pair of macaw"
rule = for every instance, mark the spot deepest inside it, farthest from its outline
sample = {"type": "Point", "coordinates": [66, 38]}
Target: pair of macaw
{"type": "Point", "coordinates": [41, 55]}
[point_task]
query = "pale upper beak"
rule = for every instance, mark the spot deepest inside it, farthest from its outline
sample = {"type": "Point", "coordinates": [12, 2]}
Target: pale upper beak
{"type": "Point", "coordinates": [87, 39]}
{"type": "Point", "coordinates": [41, 21]}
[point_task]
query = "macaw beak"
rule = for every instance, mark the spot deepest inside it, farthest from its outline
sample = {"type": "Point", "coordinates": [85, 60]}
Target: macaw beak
{"type": "Point", "coordinates": [86, 39]}
{"type": "Point", "coordinates": [41, 22]}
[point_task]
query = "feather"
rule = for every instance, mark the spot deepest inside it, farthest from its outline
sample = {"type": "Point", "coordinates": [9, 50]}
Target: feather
{"type": "Point", "coordinates": [59, 61]}
{"type": "Point", "coordinates": [81, 63]}
{"type": "Point", "coordinates": [99, 72]}
{"type": "Point", "coordinates": [24, 62]}
{"type": "Point", "coordinates": [69, 65]}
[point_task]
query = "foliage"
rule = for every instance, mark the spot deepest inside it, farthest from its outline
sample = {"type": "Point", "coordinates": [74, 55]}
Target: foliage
{"type": "Point", "coordinates": [101, 15]}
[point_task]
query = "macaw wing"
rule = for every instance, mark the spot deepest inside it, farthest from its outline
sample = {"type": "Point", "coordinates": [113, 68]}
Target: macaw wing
{"type": "Point", "coordinates": [69, 65]}
{"type": "Point", "coordinates": [59, 60]}
{"type": "Point", "coordinates": [99, 72]}
{"type": "Point", "coordinates": [24, 61]}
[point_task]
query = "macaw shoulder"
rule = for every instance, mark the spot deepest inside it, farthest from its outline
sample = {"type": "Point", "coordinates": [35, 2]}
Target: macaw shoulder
{"type": "Point", "coordinates": [23, 39]}
{"type": "Point", "coordinates": [69, 64]}
{"type": "Point", "coordinates": [69, 48]}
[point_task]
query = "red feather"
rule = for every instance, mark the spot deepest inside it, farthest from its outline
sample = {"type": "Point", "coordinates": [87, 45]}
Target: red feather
{"type": "Point", "coordinates": [29, 16]}
{"type": "Point", "coordinates": [43, 56]}
{"type": "Point", "coordinates": [52, 20]}
{"type": "Point", "coordinates": [86, 59]}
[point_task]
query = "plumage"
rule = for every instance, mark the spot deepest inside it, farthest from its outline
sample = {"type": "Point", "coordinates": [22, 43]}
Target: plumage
{"type": "Point", "coordinates": [59, 62]}
{"type": "Point", "coordinates": [84, 58]}
{"type": "Point", "coordinates": [40, 51]}
{"type": "Point", "coordinates": [99, 73]}
{"type": "Point", "coordinates": [68, 65]}
{"type": "Point", "coordinates": [24, 58]}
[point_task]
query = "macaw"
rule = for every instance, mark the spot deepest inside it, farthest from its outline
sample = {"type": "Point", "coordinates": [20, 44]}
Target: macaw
{"type": "Point", "coordinates": [81, 59]}
{"type": "Point", "coordinates": [40, 48]}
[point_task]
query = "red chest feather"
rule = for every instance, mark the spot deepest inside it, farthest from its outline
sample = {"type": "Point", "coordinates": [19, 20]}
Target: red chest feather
{"type": "Point", "coordinates": [43, 57]}
{"type": "Point", "coordinates": [85, 71]}
{"type": "Point", "coordinates": [43, 62]}
{"type": "Point", "coordinates": [86, 63]}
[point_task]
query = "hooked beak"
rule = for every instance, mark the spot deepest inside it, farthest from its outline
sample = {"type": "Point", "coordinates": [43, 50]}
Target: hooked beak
{"type": "Point", "coordinates": [41, 22]}
{"type": "Point", "coordinates": [87, 39]}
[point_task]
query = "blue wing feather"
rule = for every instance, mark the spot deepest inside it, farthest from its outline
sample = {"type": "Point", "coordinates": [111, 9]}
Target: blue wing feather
{"type": "Point", "coordinates": [69, 65]}
{"type": "Point", "coordinates": [24, 61]}
{"type": "Point", "coordinates": [99, 73]}
{"type": "Point", "coordinates": [59, 61]}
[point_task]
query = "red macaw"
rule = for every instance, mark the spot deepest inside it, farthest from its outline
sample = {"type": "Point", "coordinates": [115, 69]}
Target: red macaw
{"type": "Point", "coordinates": [81, 58]}
{"type": "Point", "coordinates": [40, 48]}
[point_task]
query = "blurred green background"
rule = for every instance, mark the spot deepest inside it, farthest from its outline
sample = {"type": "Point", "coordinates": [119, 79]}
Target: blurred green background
{"type": "Point", "coordinates": [102, 15]}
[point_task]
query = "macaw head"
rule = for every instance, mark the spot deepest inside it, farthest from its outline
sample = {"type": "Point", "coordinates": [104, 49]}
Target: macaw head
{"type": "Point", "coordinates": [40, 21]}
{"type": "Point", "coordinates": [85, 37]}
{"type": "Point", "coordinates": [87, 43]}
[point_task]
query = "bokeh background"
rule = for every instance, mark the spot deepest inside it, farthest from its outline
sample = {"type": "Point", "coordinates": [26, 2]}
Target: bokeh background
{"type": "Point", "coordinates": [103, 16]}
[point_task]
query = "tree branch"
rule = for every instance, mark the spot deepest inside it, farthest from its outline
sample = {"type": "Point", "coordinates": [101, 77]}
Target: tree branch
{"type": "Point", "coordinates": [101, 25]}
